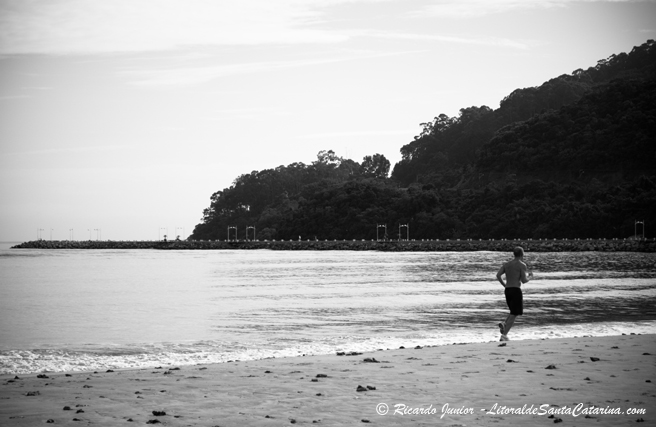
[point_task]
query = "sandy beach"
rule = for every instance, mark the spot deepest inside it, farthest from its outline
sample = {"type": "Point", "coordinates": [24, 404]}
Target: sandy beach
{"type": "Point", "coordinates": [576, 381]}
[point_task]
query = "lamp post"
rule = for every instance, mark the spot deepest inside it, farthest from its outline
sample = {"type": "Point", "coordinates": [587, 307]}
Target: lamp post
{"type": "Point", "coordinates": [378, 226]}
{"type": "Point", "coordinates": [407, 231]}
{"type": "Point", "coordinates": [635, 229]}
{"type": "Point", "coordinates": [179, 228]}
{"type": "Point", "coordinates": [248, 228]}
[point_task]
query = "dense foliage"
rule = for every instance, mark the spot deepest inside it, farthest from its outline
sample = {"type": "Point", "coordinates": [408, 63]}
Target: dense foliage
{"type": "Point", "coordinates": [573, 158]}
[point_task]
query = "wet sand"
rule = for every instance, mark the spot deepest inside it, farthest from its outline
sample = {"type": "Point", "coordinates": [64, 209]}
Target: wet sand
{"type": "Point", "coordinates": [573, 381]}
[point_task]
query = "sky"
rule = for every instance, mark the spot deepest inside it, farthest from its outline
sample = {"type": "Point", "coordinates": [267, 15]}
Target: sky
{"type": "Point", "coordinates": [120, 118]}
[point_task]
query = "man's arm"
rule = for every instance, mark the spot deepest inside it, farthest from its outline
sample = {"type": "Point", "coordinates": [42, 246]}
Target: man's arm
{"type": "Point", "coordinates": [500, 273]}
{"type": "Point", "coordinates": [522, 274]}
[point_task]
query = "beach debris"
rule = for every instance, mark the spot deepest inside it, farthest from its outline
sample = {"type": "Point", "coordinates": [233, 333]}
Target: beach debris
{"type": "Point", "coordinates": [314, 380]}
{"type": "Point", "coordinates": [587, 379]}
{"type": "Point", "coordinates": [153, 422]}
{"type": "Point", "coordinates": [370, 360]}
{"type": "Point", "coordinates": [594, 359]}
{"type": "Point", "coordinates": [109, 370]}
{"type": "Point", "coordinates": [360, 388]}
{"type": "Point", "coordinates": [32, 393]}
{"type": "Point", "coordinates": [68, 375]}
{"type": "Point", "coordinates": [66, 408]}
{"type": "Point", "coordinates": [79, 411]}
{"type": "Point", "coordinates": [42, 376]}
{"type": "Point", "coordinates": [646, 354]}
{"type": "Point", "coordinates": [371, 388]}
{"type": "Point", "coordinates": [551, 367]}
{"type": "Point", "coordinates": [87, 386]}
{"type": "Point", "coordinates": [50, 421]}
{"type": "Point", "coordinates": [293, 421]}
{"type": "Point", "coordinates": [614, 347]}
{"type": "Point", "coordinates": [267, 372]}
{"type": "Point", "coordinates": [364, 420]}
{"type": "Point", "coordinates": [418, 347]}
{"type": "Point", "coordinates": [502, 344]}
{"type": "Point", "coordinates": [511, 361]}
{"type": "Point", "coordinates": [640, 420]}
{"type": "Point", "coordinates": [401, 348]}
{"type": "Point", "coordinates": [558, 420]}
{"type": "Point", "coordinates": [648, 381]}
{"type": "Point", "coordinates": [341, 353]}
{"type": "Point", "coordinates": [159, 413]}
{"type": "Point", "coordinates": [322, 376]}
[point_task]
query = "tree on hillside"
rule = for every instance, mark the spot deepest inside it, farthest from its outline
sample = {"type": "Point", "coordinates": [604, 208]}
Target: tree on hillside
{"type": "Point", "coordinates": [376, 166]}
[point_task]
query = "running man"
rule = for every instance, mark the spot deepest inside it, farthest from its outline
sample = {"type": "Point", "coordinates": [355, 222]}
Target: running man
{"type": "Point", "coordinates": [515, 272]}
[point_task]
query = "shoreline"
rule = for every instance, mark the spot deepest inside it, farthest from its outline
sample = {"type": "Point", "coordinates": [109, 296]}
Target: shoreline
{"type": "Point", "coordinates": [470, 245]}
{"type": "Point", "coordinates": [481, 384]}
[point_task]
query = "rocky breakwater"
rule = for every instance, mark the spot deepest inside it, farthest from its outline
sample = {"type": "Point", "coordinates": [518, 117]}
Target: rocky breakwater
{"type": "Point", "coordinates": [648, 245]}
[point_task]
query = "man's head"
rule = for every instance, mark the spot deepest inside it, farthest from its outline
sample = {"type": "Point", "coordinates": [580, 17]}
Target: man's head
{"type": "Point", "coordinates": [518, 252]}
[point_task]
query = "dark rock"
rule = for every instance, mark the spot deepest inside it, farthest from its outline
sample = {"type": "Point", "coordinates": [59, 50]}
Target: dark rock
{"type": "Point", "coordinates": [370, 360]}
{"type": "Point", "coordinates": [159, 413]}
{"type": "Point", "coordinates": [551, 367]}
{"type": "Point", "coordinates": [360, 388]}
{"type": "Point", "coordinates": [67, 408]}
{"type": "Point", "coordinates": [371, 388]}
{"type": "Point", "coordinates": [32, 393]}
{"type": "Point", "coordinates": [594, 359]}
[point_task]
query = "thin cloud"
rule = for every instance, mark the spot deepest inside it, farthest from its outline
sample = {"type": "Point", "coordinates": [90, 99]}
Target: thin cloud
{"type": "Point", "coordinates": [203, 74]}
{"type": "Point", "coordinates": [477, 8]}
{"type": "Point", "coordinates": [357, 133]}
{"type": "Point", "coordinates": [179, 76]}
{"type": "Point", "coordinates": [82, 26]}
{"type": "Point", "coordinates": [487, 41]}
{"type": "Point", "coordinates": [101, 148]}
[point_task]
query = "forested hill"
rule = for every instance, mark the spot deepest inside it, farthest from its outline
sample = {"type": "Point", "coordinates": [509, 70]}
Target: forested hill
{"type": "Point", "coordinates": [573, 158]}
{"type": "Point", "coordinates": [447, 144]}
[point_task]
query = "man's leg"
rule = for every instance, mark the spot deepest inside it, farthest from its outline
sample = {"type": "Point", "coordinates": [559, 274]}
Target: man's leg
{"type": "Point", "coordinates": [510, 320]}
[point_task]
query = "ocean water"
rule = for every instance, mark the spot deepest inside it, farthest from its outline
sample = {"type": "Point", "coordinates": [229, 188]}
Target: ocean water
{"type": "Point", "coordinates": [81, 310]}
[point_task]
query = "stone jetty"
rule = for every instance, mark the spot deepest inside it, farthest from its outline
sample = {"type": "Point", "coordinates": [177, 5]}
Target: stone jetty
{"type": "Point", "coordinates": [560, 245]}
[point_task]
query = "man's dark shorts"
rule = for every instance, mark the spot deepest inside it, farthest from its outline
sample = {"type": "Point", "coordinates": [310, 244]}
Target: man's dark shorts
{"type": "Point", "coordinates": [515, 301]}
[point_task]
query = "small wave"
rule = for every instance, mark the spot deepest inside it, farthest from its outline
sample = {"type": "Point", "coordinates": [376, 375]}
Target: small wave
{"type": "Point", "coordinates": [207, 352]}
